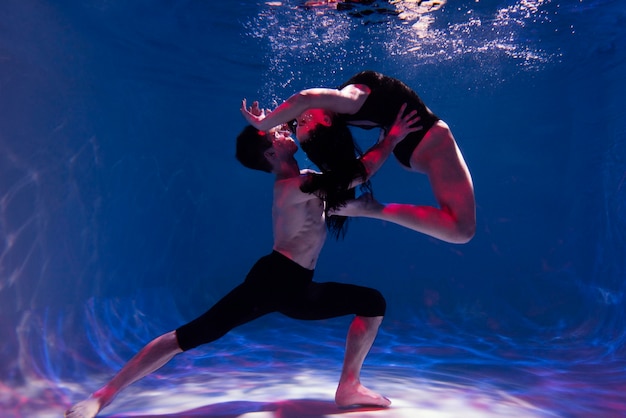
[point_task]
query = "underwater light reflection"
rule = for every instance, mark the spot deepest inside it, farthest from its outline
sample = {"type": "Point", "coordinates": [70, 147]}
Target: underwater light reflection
{"type": "Point", "coordinates": [115, 227]}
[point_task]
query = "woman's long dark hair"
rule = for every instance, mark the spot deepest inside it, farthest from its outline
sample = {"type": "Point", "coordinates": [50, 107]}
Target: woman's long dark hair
{"type": "Point", "coordinates": [333, 150]}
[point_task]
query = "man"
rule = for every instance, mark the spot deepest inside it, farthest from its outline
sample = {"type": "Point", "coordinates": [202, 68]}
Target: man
{"type": "Point", "coordinates": [281, 281]}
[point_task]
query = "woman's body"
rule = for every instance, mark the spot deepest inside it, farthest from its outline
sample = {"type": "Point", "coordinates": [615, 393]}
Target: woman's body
{"type": "Point", "coordinates": [369, 100]}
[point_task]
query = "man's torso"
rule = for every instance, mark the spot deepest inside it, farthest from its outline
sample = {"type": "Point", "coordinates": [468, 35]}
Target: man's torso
{"type": "Point", "coordinates": [299, 228]}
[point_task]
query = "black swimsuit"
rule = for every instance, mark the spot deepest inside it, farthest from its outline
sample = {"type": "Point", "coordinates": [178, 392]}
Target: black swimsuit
{"type": "Point", "coordinates": [381, 108]}
{"type": "Point", "coordinates": [277, 284]}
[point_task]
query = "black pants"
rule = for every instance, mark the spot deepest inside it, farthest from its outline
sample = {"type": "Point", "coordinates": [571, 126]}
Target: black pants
{"type": "Point", "coordinates": [277, 284]}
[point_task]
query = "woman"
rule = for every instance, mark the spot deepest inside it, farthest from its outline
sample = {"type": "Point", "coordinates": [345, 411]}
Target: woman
{"type": "Point", "coordinates": [370, 99]}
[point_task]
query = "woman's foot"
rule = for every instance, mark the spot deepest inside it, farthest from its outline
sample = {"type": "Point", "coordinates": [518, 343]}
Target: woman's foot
{"type": "Point", "coordinates": [364, 205]}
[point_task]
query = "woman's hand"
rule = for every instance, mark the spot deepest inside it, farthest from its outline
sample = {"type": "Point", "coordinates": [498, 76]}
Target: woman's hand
{"type": "Point", "coordinates": [403, 125]}
{"type": "Point", "coordinates": [254, 115]}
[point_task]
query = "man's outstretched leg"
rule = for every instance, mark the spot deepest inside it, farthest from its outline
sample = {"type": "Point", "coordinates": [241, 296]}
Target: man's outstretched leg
{"type": "Point", "coordinates": [360, 338]}
{"type": "Point", "coordinates": [154, 355]}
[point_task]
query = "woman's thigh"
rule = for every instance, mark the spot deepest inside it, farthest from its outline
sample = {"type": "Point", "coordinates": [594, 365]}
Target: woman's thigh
{"type": "Point", "coordinates": [439, 157]}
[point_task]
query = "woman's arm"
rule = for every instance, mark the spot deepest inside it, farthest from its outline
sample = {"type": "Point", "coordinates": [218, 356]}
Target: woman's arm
{"type": "Point", "coordinates": [346, 101]}
{"type": "Point", "coordinates": [374, 158]}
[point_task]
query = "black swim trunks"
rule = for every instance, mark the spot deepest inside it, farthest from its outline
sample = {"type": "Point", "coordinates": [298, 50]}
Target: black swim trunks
{"type": "Point", "coordinates": [382, 106]}
{"type": "Point", "coordinates": [277, 284]}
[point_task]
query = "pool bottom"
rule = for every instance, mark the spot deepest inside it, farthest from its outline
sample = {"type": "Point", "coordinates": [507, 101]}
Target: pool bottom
{"type": "Point", "coordinates": [295, 393]}
{"type": "Point", "coordinates": [282, 368]}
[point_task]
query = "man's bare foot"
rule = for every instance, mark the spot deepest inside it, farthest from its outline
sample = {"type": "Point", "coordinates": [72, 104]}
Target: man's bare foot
{"type": "Point", "coordinates": [88, 408]}
{"type": "Point", "coordinates": [358, 395]}
{"type": "Point", "coordinates": [363, 206]}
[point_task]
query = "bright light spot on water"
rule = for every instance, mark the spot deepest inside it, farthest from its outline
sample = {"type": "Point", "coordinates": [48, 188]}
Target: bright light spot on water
{"type": "Point", "coordinates": [406, 34]}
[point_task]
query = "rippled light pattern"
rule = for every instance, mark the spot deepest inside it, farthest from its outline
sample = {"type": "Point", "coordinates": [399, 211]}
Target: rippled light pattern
{"type": "Point", "coordinates": [123, 213]}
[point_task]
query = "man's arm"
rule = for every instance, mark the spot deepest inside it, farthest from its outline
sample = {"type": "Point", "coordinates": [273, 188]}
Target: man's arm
{"type": "Point", "coordinates": [345, 101]}
{"type": "Point", "coordinates": [374, 158]}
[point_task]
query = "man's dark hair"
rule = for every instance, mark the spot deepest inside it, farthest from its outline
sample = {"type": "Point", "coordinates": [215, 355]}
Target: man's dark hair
{"type": "Point", "coordinates": [251, 147]}
{"type": "Point", "coordinates": [333, 150]}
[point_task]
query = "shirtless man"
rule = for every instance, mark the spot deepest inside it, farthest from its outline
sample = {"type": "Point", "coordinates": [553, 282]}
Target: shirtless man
{"type": "Point", "coordinates": [281, 281]}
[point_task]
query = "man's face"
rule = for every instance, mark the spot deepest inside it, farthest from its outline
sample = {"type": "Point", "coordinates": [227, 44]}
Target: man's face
{"type": "Point", "coordinates": [309, 120]}
{"type": "Point", "coordinates": [282, 143]}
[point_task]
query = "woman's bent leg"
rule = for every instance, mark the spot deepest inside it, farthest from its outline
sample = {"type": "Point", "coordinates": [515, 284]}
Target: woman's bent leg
{"type": "Point", "coordinates": [454, 221]}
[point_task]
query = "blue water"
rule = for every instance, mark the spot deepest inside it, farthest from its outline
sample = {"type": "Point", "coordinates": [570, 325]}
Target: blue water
{"type": "Point", "coordinates": [124, 214]}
